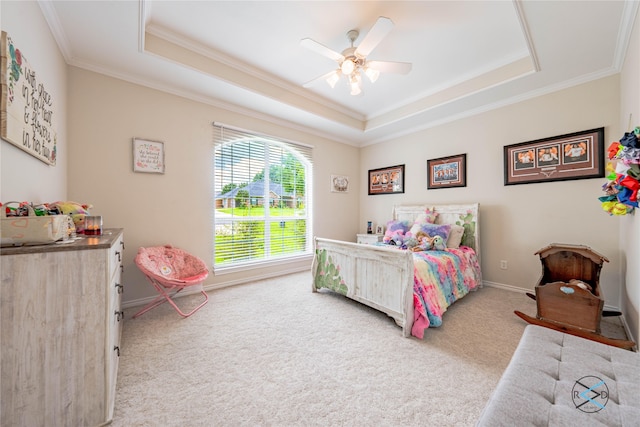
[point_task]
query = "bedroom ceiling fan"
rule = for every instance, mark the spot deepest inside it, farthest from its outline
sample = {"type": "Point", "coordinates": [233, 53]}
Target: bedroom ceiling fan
{"type": "Point", "coordinates": [352, 62]}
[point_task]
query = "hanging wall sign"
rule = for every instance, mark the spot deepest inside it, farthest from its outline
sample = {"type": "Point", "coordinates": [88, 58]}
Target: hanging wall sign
{"type": "Point", "coordinates": [27, 114]}
{"type": "Point", "coordinates": [148, 156]}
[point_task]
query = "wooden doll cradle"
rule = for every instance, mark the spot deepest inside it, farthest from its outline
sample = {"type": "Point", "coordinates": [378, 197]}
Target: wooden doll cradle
{"type": "Point", "coordinates": [568, 295]}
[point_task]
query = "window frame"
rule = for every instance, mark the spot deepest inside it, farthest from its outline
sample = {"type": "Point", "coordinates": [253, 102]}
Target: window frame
{"type": "Point", "coordinates": [303, 154]}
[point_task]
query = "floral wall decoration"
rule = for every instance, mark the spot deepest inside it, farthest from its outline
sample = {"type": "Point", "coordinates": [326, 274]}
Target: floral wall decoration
{"type": "Point", "coordinates": [27, 113]}
{"type": "Point", "coordinates": [622, 172]}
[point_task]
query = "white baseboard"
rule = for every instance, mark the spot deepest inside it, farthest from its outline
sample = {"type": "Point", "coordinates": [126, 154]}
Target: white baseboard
{"type": "Point", "coordinates": [196, 289]}
{"type": "Point", "coordinates": [523, 291]}
{"type": "Point", "coordinates": [506, 287]}
{"type": "Point", "coordinates": [627, 331]}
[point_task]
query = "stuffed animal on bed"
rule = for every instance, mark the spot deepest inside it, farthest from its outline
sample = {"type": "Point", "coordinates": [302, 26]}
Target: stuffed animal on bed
{"type": "Point", "coordinates": [395, 234]}
{"type": "Point", "coordinates": [397, 239]}
{"type": "Point", "coordinates": [428, 243]}
{"type": "Point", "coordinates": [424, 242]}
{"type": "Point", "coordinates": [438, 243]}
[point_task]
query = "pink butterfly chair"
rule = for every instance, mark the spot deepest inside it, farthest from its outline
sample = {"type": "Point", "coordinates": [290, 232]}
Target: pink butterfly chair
{"type": "Point", "coordinates": [170, 270]}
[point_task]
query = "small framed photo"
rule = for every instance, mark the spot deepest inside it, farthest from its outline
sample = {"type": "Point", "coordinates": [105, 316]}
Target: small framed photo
{"type": "Point", "coordinates": [148, 156]}
{"type": "Point", "coordinates": [577, 155]}
{"type": "Point", "coordinates": [386, 180]}
{"type": "Point", "coordinates": [447, 172]}
{"type": "Point", "coordinates": [339, 184]}
{"type": "Point", "coordinates": [380, 229]}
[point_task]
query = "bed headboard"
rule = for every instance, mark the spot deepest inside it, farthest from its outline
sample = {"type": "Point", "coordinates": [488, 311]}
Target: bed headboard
{"type": "Point", "coordinates": [466, 215]}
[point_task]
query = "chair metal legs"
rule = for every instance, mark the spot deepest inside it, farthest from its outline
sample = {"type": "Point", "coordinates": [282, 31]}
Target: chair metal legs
{"type": "Point", "coordinates": [165, 295]}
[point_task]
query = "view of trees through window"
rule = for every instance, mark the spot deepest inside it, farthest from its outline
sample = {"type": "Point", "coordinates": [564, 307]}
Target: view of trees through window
{"type": "Point", "coordinates": [261, 201]}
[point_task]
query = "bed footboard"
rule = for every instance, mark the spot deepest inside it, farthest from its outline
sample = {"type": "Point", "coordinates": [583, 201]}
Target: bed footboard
{"type": "Point", "coordinates": [379, 277]}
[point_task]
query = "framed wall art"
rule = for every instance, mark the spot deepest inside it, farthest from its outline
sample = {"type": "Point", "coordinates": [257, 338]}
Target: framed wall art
{"type": "Point", "coordinates": [447, 172]}
{"type": "Point", "coordinates": [578, 155]}
{"type": "Point", "coordinates": [339, 184]}
{"type": "Point", "coordinates": [388, 180]}
{"type": "Point", "coordinates": [148, 156]}
{"type": "Point", "coordinates": [28, 112]}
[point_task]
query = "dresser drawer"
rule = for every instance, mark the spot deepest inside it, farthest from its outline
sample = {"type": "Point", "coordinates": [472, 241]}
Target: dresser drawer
{"type": "Point", "coordinates": [115, 256]}
{"type": "Point", "coordinates": [369, 239]}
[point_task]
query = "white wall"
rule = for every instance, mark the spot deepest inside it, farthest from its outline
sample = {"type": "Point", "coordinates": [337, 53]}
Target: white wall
{"type": "Point", "coordinates": [630, 225]}
{"type": "Point", "coordinates": [24, 177]}
{"type": "Point", "coordinates": [516, 220]}
{"type": "Point", "coordinates": [176, 208]}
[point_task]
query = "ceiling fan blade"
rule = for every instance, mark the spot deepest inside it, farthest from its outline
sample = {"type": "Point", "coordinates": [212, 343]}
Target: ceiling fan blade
{"type": "Point", "coordinates": [321, 78]}
{"type": "Point", "coordinates": [380, 29]}
{"type": "Point", "coordinates": [390, 67]}
{"type": "Point", "coordinates": [321, 49]}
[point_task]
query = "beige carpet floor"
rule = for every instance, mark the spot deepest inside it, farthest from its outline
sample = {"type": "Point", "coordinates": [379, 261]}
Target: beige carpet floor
{"type": "Point", "coordinates": [272, 353]}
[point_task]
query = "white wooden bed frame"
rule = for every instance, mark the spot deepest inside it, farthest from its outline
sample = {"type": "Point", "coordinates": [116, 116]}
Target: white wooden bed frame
{"type": "Point", "coordinates": [382, 277]}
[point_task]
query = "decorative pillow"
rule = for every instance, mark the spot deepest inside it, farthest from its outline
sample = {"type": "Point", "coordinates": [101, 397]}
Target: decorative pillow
{"type": "Point", "coordinates": [396, 231]}
{"type": "Point", "coordinates": [455, 236]}
{"type": "Point", "coordinates": [416, 227]}
{"type": "Point", "coordinates": [428, 217]}
{"type": "Point", "coordinates": [442, 230]}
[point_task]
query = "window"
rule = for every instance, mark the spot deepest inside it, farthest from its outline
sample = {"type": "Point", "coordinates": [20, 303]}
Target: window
{"type": "Point", "coordinates": [262, 198]}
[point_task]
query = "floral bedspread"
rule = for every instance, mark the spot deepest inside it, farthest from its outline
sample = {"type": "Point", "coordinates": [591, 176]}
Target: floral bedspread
{"type": "Point", "coordinates": [440, 279]}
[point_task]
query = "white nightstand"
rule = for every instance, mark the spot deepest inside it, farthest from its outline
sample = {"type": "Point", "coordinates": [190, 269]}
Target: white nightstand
{"type": "Point", "coordinates": [369, 239]}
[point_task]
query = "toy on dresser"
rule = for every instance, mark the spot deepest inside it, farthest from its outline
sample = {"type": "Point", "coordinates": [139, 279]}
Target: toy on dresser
{"type": "Point", "coordinates": [77, 212]}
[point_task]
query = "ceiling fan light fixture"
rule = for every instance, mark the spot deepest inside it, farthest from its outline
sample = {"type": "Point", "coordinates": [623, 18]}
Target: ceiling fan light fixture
{"type": "Point", "coordinates": [372, 74]}
{"type": "Point", "coordinates": [333, 79]}
{"type": "Point", "coordinates": [348, 66]}
{"type": "Point", "coordinates": [354, 82]}
{"type": "Point", "coordinates": [352, 62]}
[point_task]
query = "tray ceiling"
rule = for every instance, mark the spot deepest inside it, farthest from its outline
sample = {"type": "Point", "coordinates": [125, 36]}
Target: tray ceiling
{"type": "Point", "coordinates": [467, 56]}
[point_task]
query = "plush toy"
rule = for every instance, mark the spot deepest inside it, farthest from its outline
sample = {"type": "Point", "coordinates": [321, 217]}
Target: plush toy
{"type": "Point", "coordinates": [77, 211]}
{"type": "Point", "coordinates": [395, 234]}
{"type": "Point", "coordinates": [438, 243]}
{"type": "Point", "coordinates": [397, 239]}
{"type": "Point", "coordinates": [410, 242]}
{"type": "Point", "coordinates": [424, 242]}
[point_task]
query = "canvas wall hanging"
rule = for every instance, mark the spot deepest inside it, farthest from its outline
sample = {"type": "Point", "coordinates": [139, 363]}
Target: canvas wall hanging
{"type": "Point", "coordinates": [27, 112]}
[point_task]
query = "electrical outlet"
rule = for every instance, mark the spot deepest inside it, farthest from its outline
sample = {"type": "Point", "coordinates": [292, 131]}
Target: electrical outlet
{"type": "Point", "coordinates": [503, 264]}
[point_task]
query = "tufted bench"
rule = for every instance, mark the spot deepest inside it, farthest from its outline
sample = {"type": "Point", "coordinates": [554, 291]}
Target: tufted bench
{"type": "Point", "coordinates": [558, 379]}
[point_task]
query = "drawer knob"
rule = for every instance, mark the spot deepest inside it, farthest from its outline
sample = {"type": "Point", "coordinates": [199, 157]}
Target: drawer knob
{"type": "Point", "coordinates": [119, 258]}
{"type": "Point", "coordinates": [119, 315]}
{"type": "Point", "coordinates": [117, 350]}
{"type": "Point", "coordinates": [120, 288]}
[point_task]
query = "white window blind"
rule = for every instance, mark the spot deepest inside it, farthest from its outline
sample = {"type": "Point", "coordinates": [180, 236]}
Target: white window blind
{"type": "Point", "coordinates": [262, 198]}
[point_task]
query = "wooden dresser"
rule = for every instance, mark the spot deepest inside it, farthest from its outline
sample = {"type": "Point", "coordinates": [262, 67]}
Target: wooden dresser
{"type": "Point", "coordinates": [60, 323]}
